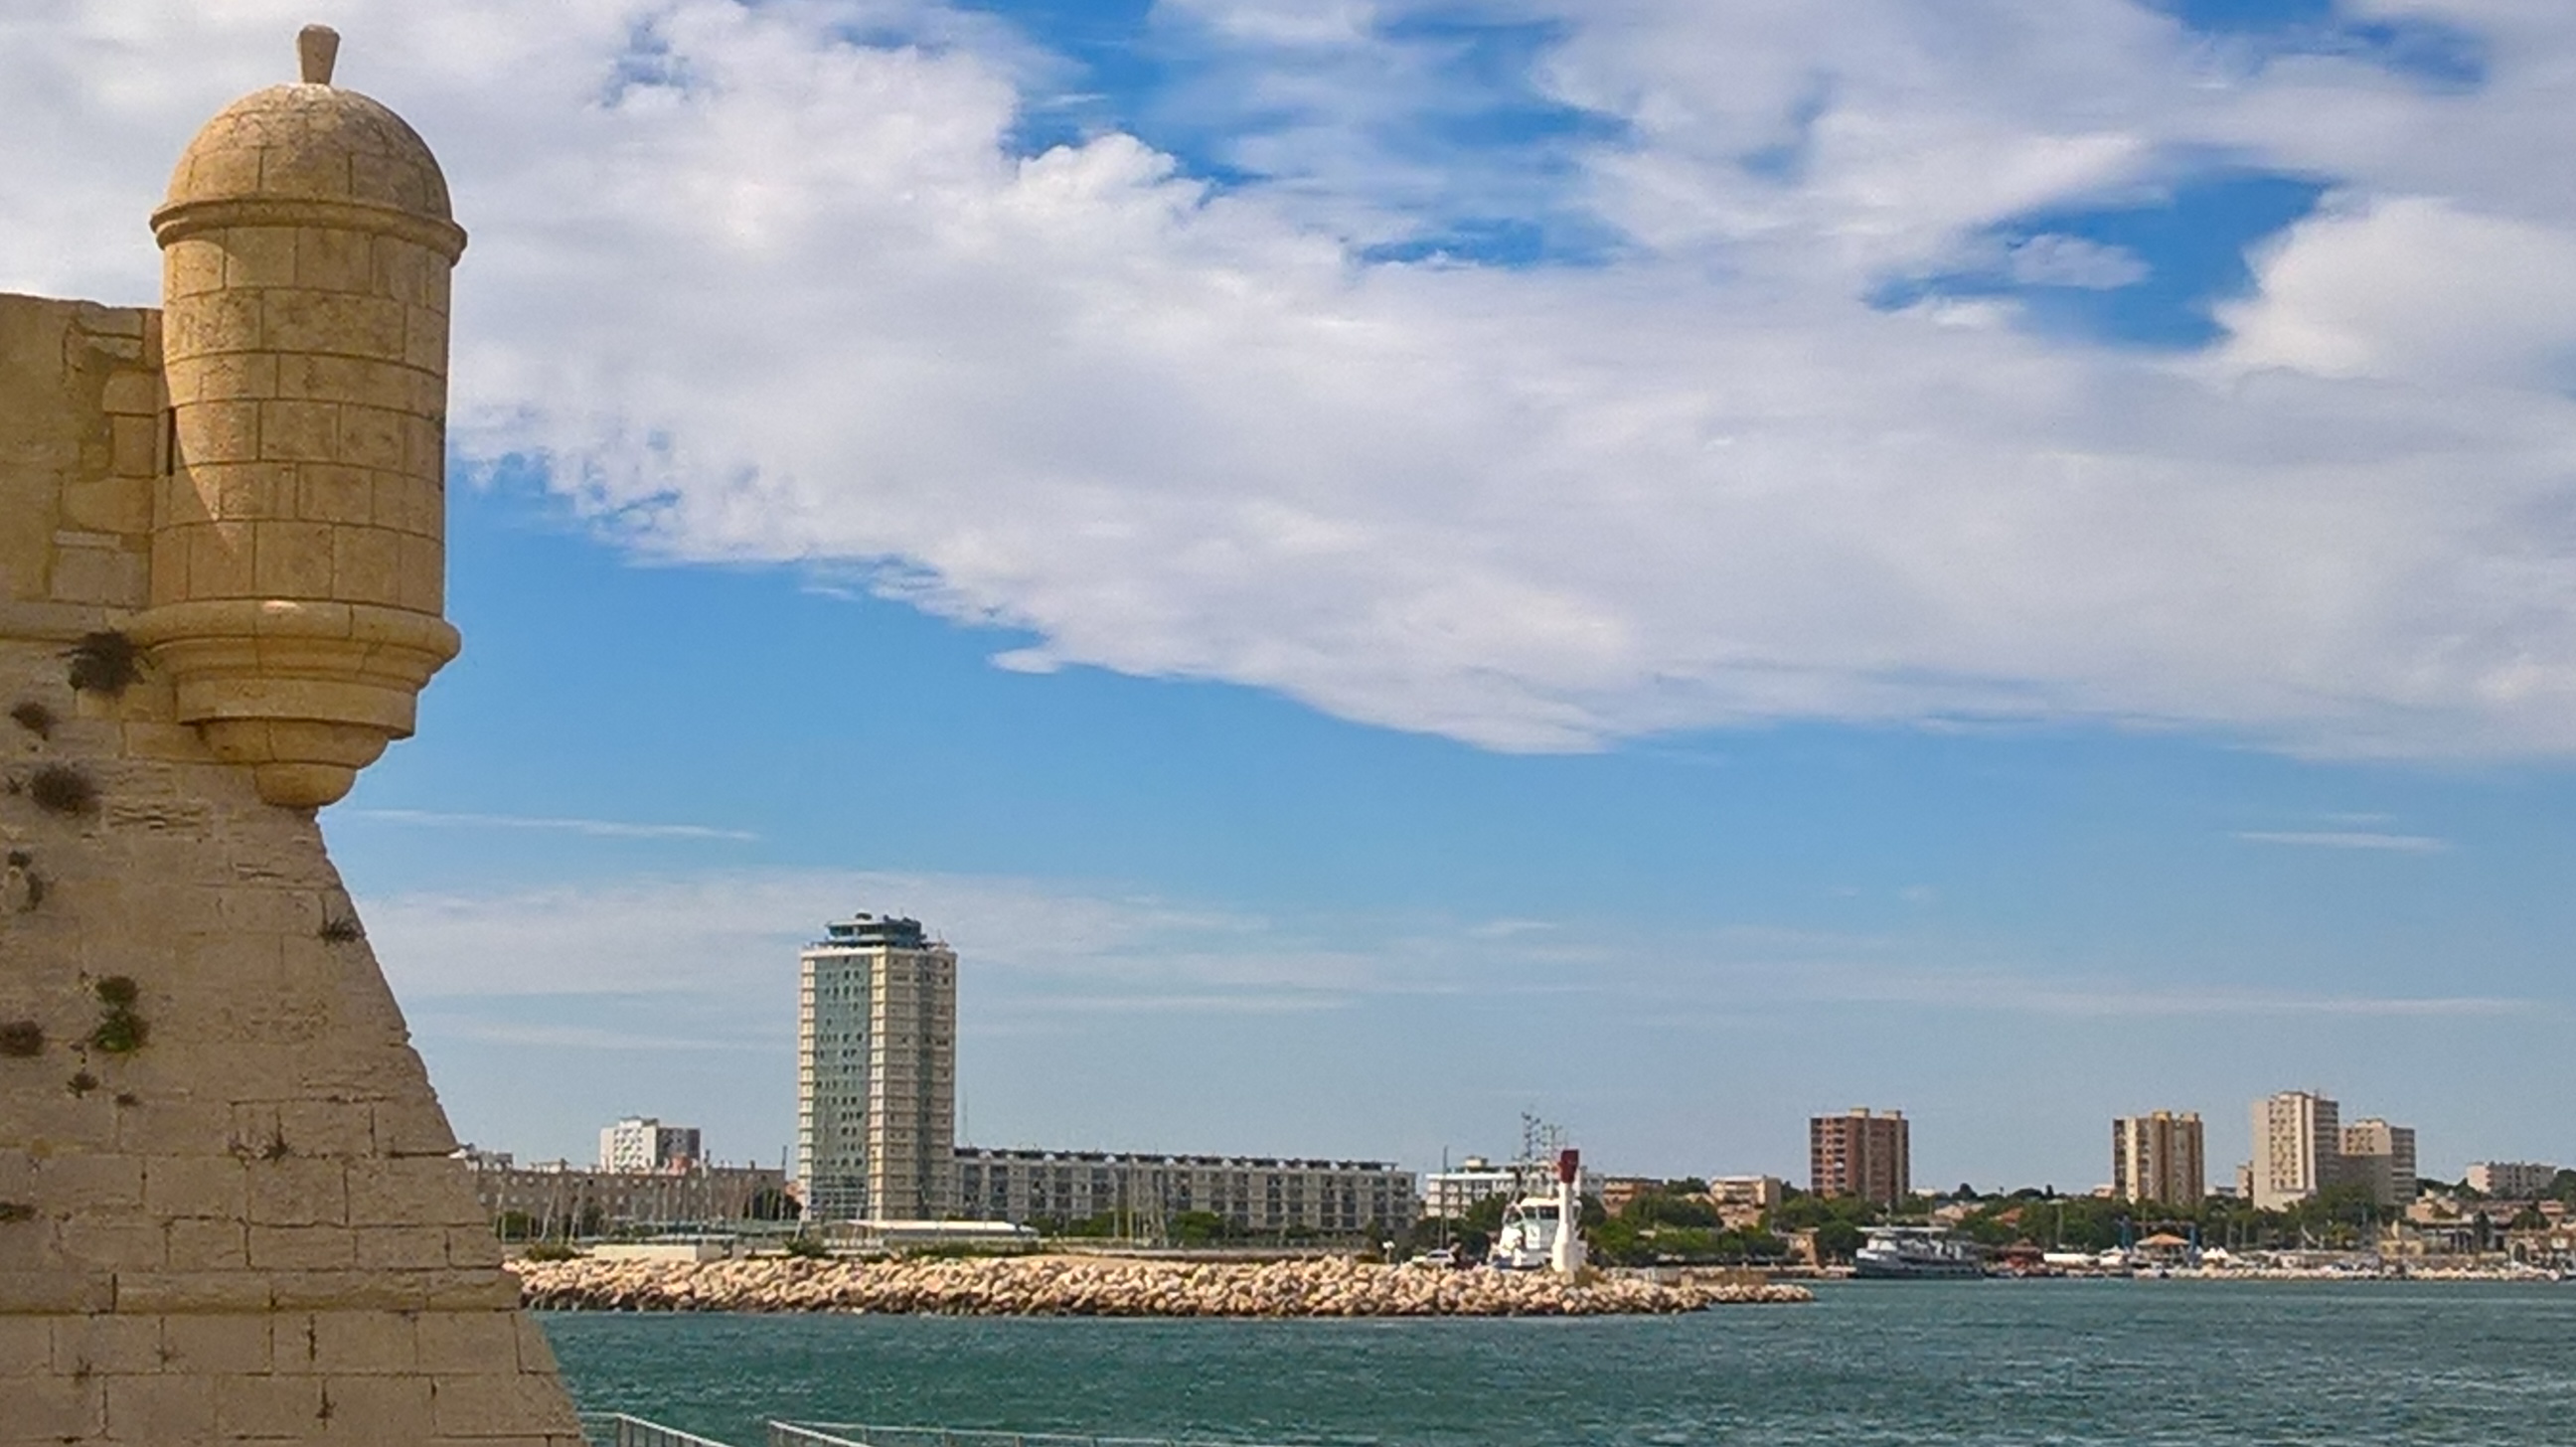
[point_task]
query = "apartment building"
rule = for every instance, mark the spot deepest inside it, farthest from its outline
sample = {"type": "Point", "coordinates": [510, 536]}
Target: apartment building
{"type": "Point", "coordinates": [2298, 1148]}
{"type": "Point", "coordinates": [1860, 1154]}
{"type": "Point", "coordinates": [2511, 1180]}
{"type": "Point", "coordinates": [2380, 1158]}
{"type": "Point", "coordinates": [643, 1143]}
{"type": "Point", "coordinates": [557, 1198]}
{"type": "Point", "coordinates": [876, 1072]}
{"type": "Point", "coordinates": [2158, 1157]}
{"type": "Point", "coordinates": [1253, 1193]}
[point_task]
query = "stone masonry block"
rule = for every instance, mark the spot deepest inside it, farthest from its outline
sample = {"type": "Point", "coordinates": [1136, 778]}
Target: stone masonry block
{"type": "Point", "coordinates": [176, 1409]}
{"type": "Point", "coordinates": [412, 1126]}
{"type": "Point", "coordinates": [301, 1248]}
{"type": "Point", "coordinates": [536, 1353]}
{"type": "Point", "coordinates": [209, 1246]}
{"type": "Point", "coordinates": [110, 1344]}
{"type": "Point", "coordinates": [269, 1407]}
{"type": "Point", "coordinates": [330, 259]}
{"type": "Point", "coordinates": [403, 1248]}
{"type": "Point", "coordinates": [54, 1409]}
{"type": "Point", "coordinates": [425, 1190]}
{"type": "Point", "coordinates": [330, 1128]}
{"type": "Point", "coordinates": [292, 560]}
{"type": "Point", "coordinates": [364, 1343]}
{"type": "Point", "coordinates": [58, 1289]}
{"type": "Point", "coordinates": [171, 1292]}
{"type": "Point", "coordinates": [485, 1343]}
{"type": "Point", "coordinates": [197, 1185]}
{"type": "Point", "coordinates": [134, 445]}
{"type": "Point", "coordinates": [258, 256]}
{"type": "Point", "coordinates": [116, 1242]}
{"type": "Point", "coordinates": [132, 393]}
{"type": "Point", "coordinates": [333, 493]}
{"type": "Point", "coordinates": [87, 1183]}
{"type": "Point", "coordinates": [26, 1345]}
{"type": "Point", "coordinates": [120, 505]}
{"type": "Point", "coordinates": [499, 1406]}
{"type": "Point", "coordinates": [366, 565]}
{"type": "Point", "coordinates": [293, 1192]}
{"type": "Point", "coordinates": [217, 1345]}
{"type": "Point", "coordinates": [379, 1409]}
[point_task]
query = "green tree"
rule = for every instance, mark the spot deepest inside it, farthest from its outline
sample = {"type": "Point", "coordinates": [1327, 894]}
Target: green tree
{"type": "Point", "coordinates": [1836, 1240]}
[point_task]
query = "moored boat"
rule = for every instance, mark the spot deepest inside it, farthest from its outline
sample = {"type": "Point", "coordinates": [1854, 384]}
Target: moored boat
{"type": "Point", "coordinates": [1916, 1253]}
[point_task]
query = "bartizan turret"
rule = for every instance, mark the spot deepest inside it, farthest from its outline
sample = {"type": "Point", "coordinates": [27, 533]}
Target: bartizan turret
{"type": "Point", "coordinates": [299, 533]}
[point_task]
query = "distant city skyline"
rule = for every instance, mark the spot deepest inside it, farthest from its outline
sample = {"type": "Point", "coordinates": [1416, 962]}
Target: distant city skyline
{"type": "Point", "coordinates": [1675, 566]}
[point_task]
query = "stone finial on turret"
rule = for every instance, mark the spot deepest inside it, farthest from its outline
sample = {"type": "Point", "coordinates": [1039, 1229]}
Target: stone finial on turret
{"type": "Point", "coordinates": [299, 535]}
{"type": "Point", "coordinates": [317, 48]}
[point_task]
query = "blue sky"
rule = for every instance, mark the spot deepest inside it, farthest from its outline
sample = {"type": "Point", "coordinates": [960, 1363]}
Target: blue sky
{"type": "Point", "coordinates": [1380, 565]}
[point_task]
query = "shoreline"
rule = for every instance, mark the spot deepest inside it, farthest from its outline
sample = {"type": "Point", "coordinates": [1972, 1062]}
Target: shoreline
{"type": "Point", "coordinates": [1097, 1286]}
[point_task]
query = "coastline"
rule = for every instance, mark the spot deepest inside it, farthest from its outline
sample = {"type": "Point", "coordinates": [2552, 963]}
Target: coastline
{"type": "Point", "coordinates": [1098, 1286]}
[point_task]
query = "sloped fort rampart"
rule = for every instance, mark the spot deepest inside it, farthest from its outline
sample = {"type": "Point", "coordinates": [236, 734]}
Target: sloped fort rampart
{"type": "Point", "coordinates": [227, 1208]}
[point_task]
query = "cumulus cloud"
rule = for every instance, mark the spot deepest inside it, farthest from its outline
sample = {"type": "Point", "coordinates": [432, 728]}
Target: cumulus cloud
{"type": "Point", "coordinates": [755, 289]}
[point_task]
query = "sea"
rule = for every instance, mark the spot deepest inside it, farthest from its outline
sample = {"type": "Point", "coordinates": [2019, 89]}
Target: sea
{"type": "Point", "coordinates": [1990, 1362]}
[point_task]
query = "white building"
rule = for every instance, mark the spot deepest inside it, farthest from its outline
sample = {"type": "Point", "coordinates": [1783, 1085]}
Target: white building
{"type": "Point", "coordinates": [876, 1073]}
{"type": "Point", "coordinates": [642, 1143]}
{"type": "Point", "coordinates": [1141, 1193]}
{"type": "Point", "coordinates": [2381, 1158]}
{"type": "Point", "coordinates": [1453, 1194]}
{"type": "Point", "coordinates": [2511, 1180]}
{"type": "Point", "coordinates": [2298, 1148]}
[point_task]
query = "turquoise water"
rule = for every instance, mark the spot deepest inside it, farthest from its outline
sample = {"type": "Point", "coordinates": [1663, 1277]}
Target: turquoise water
{"type": "Point", "coordinates": [2167, 1362]}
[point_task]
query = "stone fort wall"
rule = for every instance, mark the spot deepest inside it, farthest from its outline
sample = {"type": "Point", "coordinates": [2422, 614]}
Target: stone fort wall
{"type": "Point", "coordinates": [227, 1211]}
{"type": "Point", "coordinates": [227, 1208]}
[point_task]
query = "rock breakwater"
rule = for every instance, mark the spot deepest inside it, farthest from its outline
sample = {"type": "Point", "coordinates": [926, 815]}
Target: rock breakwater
{"type": "Point", "coordinates": [1091, 1286]}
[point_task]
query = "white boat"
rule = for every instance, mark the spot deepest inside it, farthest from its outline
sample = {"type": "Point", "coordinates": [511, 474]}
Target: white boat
{"type": "Point", "coordinates": [1916, 1253]}
{"type": "Point", "coordinates": [1527, 1240]}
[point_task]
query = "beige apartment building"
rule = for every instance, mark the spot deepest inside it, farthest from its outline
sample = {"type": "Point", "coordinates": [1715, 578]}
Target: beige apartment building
{"type": "Point", "coordinates": [2298, 1148]}
{"type": "Point", "coordinates": [2511, 1180]}
{"type": "Point", "coordinates": [876, 1073]}
{"type": "Point", "coordinates": [1860, 1154]}
{"type": "Point", "coordinates": [1253, 1193]}
{"type": "Point", "coordinates": [2158, 1157]}
{"type": "Point", "coordinates": [2381, 1158]}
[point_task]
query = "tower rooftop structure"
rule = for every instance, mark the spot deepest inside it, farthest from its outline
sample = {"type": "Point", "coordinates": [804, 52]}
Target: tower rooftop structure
{"type": "Point", "coordinates": [299, 535]}
{"type": "Point", "coordinates": [310, 141]}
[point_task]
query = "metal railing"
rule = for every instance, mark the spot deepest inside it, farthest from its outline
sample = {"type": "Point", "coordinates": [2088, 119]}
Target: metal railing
{"type": "Point", "coordinates": [855, 1434]}
{"type": "Point", "coordinates": [616, 1429]}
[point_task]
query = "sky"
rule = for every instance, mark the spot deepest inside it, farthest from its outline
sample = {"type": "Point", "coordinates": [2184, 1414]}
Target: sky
{"type": "Point", "coordinates": [1375, 566]}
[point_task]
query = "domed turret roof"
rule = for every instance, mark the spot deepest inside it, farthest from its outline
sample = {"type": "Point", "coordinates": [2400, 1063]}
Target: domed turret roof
{"type": "Point", "coordinates": [307, 143]}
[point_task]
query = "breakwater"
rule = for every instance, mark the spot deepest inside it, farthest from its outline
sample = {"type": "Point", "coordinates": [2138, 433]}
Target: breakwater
{"type": "Point", "coordinates": [1092, 1286]}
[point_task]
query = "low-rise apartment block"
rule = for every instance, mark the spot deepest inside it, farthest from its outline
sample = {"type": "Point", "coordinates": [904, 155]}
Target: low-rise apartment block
{"type": "Point", "coordinates": [1453, 1193]}
{"type": "Point", "coordinates": [1252, 1193]}
{"type": "Point", "coordinates": [559, 1199]}
{"type": "Point", "coordinates": [2511, 1180]}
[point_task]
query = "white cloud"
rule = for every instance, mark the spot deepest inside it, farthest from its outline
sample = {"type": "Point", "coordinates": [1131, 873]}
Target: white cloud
{"type": "Point", "coordinates": [760, 292]}
{"type": "Point", "coordinates": [2347, 839]}
{"type": "Point", "coordinates": [717, 932]}
{"type": "Point", "coordinates": [595, 828]}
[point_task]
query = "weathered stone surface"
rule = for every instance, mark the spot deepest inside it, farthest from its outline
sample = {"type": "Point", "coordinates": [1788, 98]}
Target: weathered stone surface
{"type": "Point", "coordinates": [225, 1215]}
